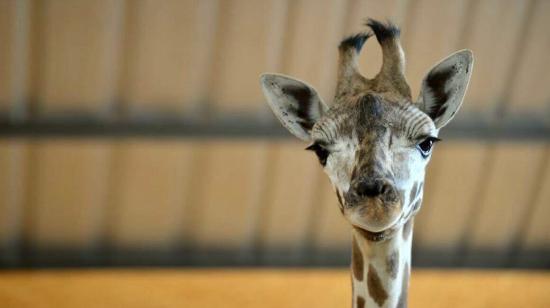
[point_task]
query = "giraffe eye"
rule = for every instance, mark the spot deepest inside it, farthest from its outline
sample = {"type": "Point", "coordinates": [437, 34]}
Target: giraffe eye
{"type": "Point", "coordinates": [425, 147]}
{"type": "Point", "coordinates": [321, 152]}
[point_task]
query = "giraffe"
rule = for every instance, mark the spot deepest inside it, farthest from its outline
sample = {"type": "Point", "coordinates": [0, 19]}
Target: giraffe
{"type": "Point", "coordinates": [374, 143]}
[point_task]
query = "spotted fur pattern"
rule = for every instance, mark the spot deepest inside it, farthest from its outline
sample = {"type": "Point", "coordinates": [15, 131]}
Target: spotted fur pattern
{"type": "Point", "coordinates": [374, 143]}
{"type": "Point", "coordinates": [386, 269]}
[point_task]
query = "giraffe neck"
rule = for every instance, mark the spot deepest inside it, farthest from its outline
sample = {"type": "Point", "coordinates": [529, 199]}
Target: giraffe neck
{"type": "Point", "coordinates": [381, 269]}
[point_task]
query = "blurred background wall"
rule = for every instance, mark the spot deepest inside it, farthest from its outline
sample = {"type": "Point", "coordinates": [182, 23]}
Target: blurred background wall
{"type": "Point", "coordinates": [135, 132]}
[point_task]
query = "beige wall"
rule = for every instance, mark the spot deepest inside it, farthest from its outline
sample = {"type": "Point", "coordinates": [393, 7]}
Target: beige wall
{"type": "Point", "coordinates": [254, 200]}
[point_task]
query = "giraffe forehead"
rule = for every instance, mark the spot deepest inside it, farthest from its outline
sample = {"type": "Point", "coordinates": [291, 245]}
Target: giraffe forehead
{"type": "Point", "coordinates": [369, 118]}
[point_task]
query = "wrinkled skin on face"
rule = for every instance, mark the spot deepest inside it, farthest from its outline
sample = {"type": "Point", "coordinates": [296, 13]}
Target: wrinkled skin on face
{"type": "Point", "coordinates": [375, 138]}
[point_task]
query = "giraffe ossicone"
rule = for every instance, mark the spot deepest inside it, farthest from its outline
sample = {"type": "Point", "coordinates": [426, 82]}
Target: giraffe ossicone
{"type": "Point", "coordinates": [374, 142]}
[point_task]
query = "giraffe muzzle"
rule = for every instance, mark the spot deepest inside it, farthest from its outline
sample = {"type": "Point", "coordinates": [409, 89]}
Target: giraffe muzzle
{"type": "Point", "coordinates": [366, 189]}
{"type": "Point", "coordinates": [373, 204]}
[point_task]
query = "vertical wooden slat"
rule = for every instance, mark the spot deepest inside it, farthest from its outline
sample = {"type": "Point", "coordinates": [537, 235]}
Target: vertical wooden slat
{"type": "Point", "coordinates": [78, 63]}
{"type": "Point", "coordinates": [431, 33]}
{"type": "Point", "coordinates": [67, 197]}
{"type": "Point", "coordinates": [358, 12]}
{"type": "Point", "coordinates": [13, 154]}
{"type": "Point", "coordinates": [250, 41]}
{"type": "Point", "coordinates": [290, 196]}
{"type": "Point", "coordinates": [315, 30]}
{"type": "Point", "coordinates": [7, 12]}
{"type": "Point", "coordinates": [14, 53]}
{"type": "Point", "coordinates": [168, 52]}
{"type": "Point", "coordinates": [232, 179]}
{"type": "Point", "coordinates": [534, 245]}
{"type": "Point", "coordinates": [332, 236]}
{"type": "Point", "coordinates": [150, 181]}
{"type": "Point", "coordinates": [505, 201]}
{"type": "Point", "coordinates": [493, 35]}
{"type": "Point", "coordinates": [530, 95]}
{"type": "Point", "coordinates": [450, 193]}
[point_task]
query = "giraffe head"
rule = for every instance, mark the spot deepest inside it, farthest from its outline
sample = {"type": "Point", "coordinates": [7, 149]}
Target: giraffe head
{"type": "Point", "coordinates": [374, 141]}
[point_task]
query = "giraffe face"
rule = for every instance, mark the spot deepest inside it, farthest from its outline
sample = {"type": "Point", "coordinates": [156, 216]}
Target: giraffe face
{"type": "Point", "coordinates": [374, 142]}
{"type": "Point", "coordinates": [374, 152]}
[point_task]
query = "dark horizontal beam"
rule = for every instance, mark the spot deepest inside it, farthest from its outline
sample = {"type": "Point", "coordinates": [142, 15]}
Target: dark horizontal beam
{"type": "Point", "coordinates": [145, 129]}
{"type": "Point", "coordinates": [55, 258]}
{"type": "Point", "coordinates": [244, 128]}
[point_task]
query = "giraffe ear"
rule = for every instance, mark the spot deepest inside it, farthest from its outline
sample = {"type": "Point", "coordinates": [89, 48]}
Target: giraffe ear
{"type": "Point", "coordinates": [444, 87]}
{"type": "Point", "coordinates": [295, 103]}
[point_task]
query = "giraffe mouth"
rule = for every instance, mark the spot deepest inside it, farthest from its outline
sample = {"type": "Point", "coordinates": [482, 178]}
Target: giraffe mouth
{"type": "Point", "coordinates": [374, 214]}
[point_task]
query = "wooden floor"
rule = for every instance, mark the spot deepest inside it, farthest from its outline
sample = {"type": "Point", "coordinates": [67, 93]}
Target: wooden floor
{"type": "Point", "coordinates": [260, 288]}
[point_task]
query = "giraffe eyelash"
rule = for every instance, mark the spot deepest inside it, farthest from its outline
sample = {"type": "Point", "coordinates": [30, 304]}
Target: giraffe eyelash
{"type": "Point", "coordinates": [425, 147]}
{"type": "Point", "coordinates": [321, 151]}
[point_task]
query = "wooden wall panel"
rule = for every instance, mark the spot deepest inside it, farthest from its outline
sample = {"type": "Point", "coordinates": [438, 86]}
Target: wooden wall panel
{"type": "Point", "coordinates": [505, 202]}
{"type": "Point", "coordinates": [493, 32]}
{"type": "Point", "coordinates": [229, 190]}
{"type": "Point", "coordinates": [534, 243]}
{"type": "Point", "coordinates": [13, 155]}
{"type": "Point", "coordinates": [291, 194]}
{"type": "Point", "coordinates": [14, 56]}
{"type": "Point", "coordinates": [332, 233]}
{"type": "Point", "coordinates": [168, 50]}
{"type": "Point", "coordinates": [530, 95]}
{"type": "Point", "coordinates": [78, 56]}
{"type": "Point", "coordinates": [177, 55]}
{"type": "Point", "coordinates": [431, 32]}
{"type": "Point", "coordinates": [315, 30]}
{"type": "Point", "coordinates": [358, 12]}
{"type": "Point", "coordinates": [68, 190]}
{"type": "Point", "coordinates": [196, 59]}
{"type": "Point", "coordinates": [249, 42]}
{"type": "Point", "coordinates": [452, 185]}
{"type": "Point", "coordinates": [221, 199]}
{"type": "Point", "coordinates": [150, 183]}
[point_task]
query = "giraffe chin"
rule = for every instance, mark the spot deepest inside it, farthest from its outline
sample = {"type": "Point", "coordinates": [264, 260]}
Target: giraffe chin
{"type": "Point", "coordinates": [374, 215]}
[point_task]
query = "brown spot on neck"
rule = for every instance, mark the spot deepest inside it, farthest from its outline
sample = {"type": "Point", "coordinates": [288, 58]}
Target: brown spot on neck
{"type": "Point", "coordinates": [360, 302]}
{"type": "Point", "coordinates": [357, 260]}
{"type": "Point", "coordinates": [407, 228]}
{"type": "Point", "coordinates": [402, 303]}
{"type": "Point", "coordinates": [392, 264]}
{"type": "Point", "coordinates": [375, 287]}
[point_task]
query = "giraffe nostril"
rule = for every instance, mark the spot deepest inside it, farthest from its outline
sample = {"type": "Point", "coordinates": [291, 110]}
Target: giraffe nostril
{"type": "Point", "coordinates": [386, 188]}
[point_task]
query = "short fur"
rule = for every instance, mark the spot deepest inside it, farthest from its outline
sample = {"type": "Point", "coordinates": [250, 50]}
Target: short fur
{"type": "Point", "coordinates": [374, 143]}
